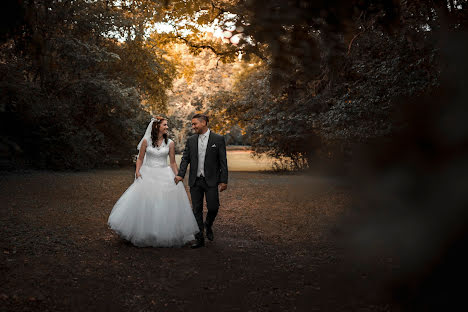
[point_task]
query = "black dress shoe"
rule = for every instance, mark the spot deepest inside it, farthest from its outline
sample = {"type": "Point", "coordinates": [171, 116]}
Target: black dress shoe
{"type": "Point", "coordinates": [198, 244]}
{"type": "Point", "coordinates": [209, 232]}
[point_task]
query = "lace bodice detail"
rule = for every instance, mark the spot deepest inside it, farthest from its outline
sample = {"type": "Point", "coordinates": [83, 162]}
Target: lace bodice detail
{"type": "Point", "coordinates": [157, 156]}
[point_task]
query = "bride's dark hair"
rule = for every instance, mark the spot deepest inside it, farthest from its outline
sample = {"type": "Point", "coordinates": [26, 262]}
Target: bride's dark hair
{"type": "Point", "coordinates": [155, 130]}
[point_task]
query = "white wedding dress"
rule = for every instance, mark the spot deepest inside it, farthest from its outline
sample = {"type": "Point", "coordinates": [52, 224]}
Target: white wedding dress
{"type": "Point", "coordinates": [154, 211]}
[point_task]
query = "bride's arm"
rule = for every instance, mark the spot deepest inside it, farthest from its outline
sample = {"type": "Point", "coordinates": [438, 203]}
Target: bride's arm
{"type": "Point", "coordinates": [172, 157]}
{"type": "Point", "coordinates": [140, 158]}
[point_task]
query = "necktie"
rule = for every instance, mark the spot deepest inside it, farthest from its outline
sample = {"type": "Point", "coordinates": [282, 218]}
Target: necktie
{"type": "Point", "coordinates": [202, 145]}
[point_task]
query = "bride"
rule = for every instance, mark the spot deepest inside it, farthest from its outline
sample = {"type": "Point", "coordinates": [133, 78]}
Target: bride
{"type": "Point", "coordinates": [154, 211]}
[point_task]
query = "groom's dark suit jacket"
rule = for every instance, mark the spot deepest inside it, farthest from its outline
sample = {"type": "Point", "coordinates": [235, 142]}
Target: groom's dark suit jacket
{"type": "Point", "coordinates": [216, 170]}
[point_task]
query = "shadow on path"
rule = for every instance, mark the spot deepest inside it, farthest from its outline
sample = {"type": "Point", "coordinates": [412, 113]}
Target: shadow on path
{"type": "Point", "coordinates": [272, 251]}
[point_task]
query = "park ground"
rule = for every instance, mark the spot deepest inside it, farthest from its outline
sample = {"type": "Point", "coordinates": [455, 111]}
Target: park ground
{"type": "Point", "coordinates": [277, 248]}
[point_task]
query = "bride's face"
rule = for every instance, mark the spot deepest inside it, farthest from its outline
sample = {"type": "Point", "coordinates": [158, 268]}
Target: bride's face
{"type": "Point", "coordinates": [163, 127]}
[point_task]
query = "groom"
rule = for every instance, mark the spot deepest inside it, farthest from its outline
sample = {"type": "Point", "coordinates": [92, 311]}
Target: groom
{"type": "Point", "coordinates": [206, 154]}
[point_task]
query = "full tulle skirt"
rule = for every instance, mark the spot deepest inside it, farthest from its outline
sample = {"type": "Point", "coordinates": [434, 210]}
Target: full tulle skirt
{"type": "Point", "coordinates": [154, 211]}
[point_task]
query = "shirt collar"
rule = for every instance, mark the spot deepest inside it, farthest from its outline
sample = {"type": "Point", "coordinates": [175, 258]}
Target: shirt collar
{"type": "Point", "coordinates": [206, 134]}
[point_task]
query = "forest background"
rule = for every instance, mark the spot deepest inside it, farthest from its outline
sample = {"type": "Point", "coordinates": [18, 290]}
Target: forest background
{"type": "Point", "coordinates": [296, 80]}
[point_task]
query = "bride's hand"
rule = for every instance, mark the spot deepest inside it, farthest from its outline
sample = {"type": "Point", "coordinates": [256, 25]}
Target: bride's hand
{"type": "Point", "coordinates": [138, 175]}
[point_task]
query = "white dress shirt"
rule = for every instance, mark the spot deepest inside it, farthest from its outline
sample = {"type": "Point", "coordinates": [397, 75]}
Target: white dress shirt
{"type": "Point", "coordinates": [202, 143]}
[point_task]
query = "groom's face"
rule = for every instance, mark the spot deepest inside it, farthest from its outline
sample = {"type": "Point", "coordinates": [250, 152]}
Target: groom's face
{"type": "Point", "coordinates": [198, 125]}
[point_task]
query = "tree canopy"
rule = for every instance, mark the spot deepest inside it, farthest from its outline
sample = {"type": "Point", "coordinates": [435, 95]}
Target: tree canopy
{"type": "Point", "coordinates": [315, 77]}
{"type": "Point", "coordinates": [78, 81]}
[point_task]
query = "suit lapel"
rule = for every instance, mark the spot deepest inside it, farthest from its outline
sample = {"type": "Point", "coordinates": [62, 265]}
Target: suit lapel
{"type": "Point", "coordinates": [194, 163]}
{"type": "Point", "coordinates": [196, 146]}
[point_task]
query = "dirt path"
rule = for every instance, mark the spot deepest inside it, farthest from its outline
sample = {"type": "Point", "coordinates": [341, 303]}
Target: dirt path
{"type": "Point", "coordinates": [272, 249]}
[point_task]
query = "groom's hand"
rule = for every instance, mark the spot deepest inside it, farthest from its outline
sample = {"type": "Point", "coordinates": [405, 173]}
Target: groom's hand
{"type": "Point", "coordinates": [177, 179]}
{"type": "Point", "coordinates": [222, 187]}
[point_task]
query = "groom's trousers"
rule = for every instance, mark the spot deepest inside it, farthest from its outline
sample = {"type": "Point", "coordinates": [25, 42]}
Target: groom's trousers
{"type": "Point", "coordinates": [197, 192]}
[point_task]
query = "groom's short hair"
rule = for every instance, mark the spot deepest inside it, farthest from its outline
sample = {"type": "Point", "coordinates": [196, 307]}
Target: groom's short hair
{"type": "Point", "coordinates": [201, 117]}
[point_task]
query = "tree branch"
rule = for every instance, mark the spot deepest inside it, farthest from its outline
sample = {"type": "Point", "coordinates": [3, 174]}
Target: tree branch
{"type": "Point", "coordinates": [221, 11]}
{"type": "Point", "coordinates": [206, 46]}
{"type": "Point", "coordinates": [352, 40]}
